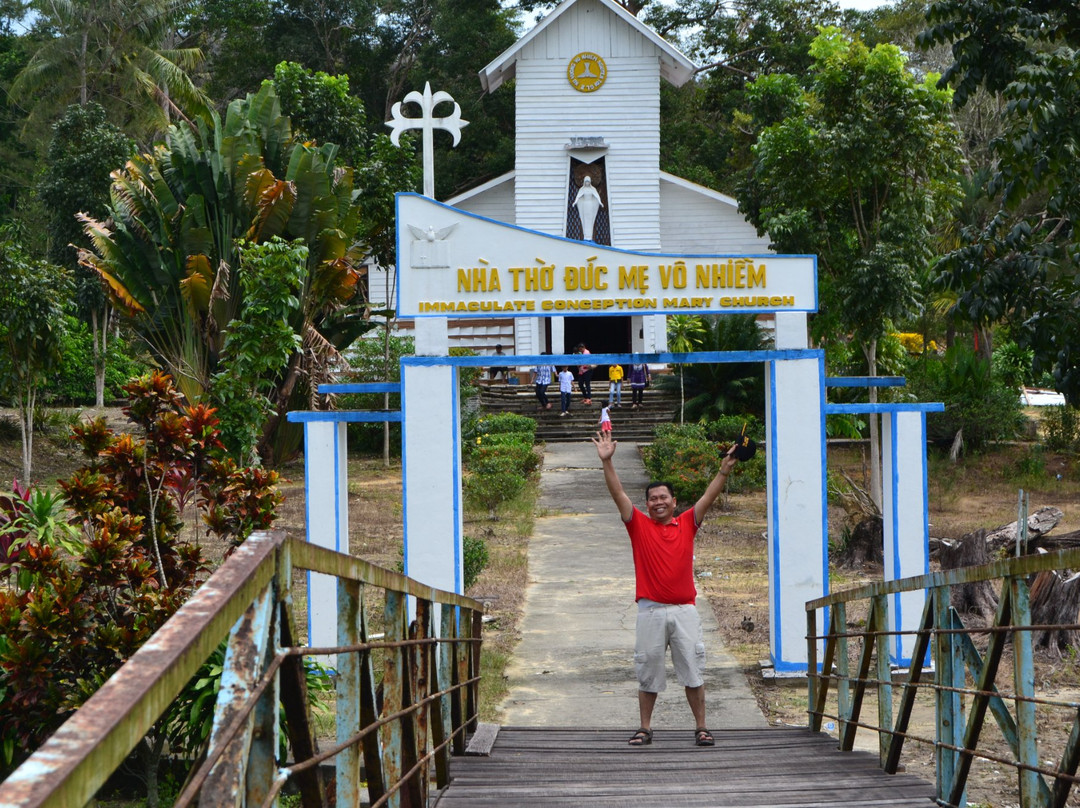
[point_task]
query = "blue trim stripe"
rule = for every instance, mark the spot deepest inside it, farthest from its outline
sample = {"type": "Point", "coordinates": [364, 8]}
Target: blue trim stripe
{"type": "Point", "coordinates": [898, 610]}
{"type": "Point", "coordinates": [455, 420]}
{"type": "Point", "coordinates": [870, 409]}
{"type": "Point", "coordinates": [307, 524]}
{"type": "Point", "coordinates": [345, 416]}
{"type": "Point", "coordinates": [339, 484]}
{"type": "Point", "coordinates": [824, 490]}
{"type": "Point", "coordinates": [404, 488]}
{"type": "Point", "coordinates": [774, 590]}
{"type": "Point", "coordinates": [361, 387]}
{"type": "Point", "coordinates": [864, 381]}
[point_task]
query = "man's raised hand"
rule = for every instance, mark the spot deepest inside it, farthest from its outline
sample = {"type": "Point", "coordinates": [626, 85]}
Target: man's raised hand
{"type": "Point", "coordinates": [605, 446]}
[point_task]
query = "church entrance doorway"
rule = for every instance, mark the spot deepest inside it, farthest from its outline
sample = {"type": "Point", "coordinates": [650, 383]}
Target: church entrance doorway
{"type": "Point", "coordinates": [609, 335]}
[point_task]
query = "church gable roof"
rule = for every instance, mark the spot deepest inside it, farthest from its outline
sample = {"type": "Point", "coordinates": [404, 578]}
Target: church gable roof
{"type": "Point", "coordinates": [674, 65]}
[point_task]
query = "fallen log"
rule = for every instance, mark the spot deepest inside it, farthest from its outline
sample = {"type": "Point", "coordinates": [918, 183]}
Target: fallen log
{"type": "Point", "coordinates": [1038, 524]}
{"type": "Point", "coordinates": [1063, 541]}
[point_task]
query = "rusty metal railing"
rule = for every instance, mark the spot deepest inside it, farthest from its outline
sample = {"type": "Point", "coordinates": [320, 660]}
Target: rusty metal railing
{"type": "Point", "coordinates": [429, 690]}
{"type": "Point", "coordinates": [959, 670]}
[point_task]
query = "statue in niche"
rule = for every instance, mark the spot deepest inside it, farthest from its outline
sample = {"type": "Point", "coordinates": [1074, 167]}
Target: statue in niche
{"type": "Point", "coordinates": [588, 204]}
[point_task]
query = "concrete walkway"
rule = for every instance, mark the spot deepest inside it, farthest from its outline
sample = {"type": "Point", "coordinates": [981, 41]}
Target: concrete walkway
{"type": "Point", "coordinates": [574, 666]}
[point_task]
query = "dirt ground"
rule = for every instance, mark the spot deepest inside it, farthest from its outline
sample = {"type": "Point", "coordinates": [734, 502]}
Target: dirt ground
{"type": "Point", "coordinates": [978, 492]}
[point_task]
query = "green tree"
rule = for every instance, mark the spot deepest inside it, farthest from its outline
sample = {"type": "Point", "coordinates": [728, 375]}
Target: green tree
{"type": "Point", "coordinates": [31, 328]}
{"type": "Point", "coordinates": [1021, 265]}
{"type": "Point", "coordinates": [684, 331]}
{"type": "Point", "coordinates": [259, 342]}
{"type": "Point", "coordinates": [126, 55]}
{"type": "Point", "coordinates": [84, 150]}
{"type": "Point", "coordinates": [735, 43]}
{"type": "Point", "coordinates": [854, 167]}
{"type": "Point", "coordinates": [386, 49]}
{"type": "Point", "coordinates": [170, 253]}
{"type": "Point", "coordinates": [720, 388]}
{"type": "Point", "coordinates": [16, 158]}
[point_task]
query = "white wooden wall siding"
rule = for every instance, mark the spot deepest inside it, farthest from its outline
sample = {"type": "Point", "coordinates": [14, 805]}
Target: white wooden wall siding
{"type": "Point", "coordinates": [625, 111]}
{"type": "Point", "coordinates": [550, 112]}
{"type": "Point", "coordinates": [694, 219]}
{"type": "Point", "coordinates": [495, 199]}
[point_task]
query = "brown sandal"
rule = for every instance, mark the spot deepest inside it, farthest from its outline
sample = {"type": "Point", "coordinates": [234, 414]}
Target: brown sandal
{"type": "Point", "coordinates": [702, 737]}
{"type": "Point", "coordinates": [643, 737]}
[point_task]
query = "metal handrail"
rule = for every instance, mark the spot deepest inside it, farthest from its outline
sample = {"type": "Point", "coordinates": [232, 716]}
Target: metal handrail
{"type": "Point", "coordinates": [963, 679]}
{"type": "Point", "coordinates": [249, 600]}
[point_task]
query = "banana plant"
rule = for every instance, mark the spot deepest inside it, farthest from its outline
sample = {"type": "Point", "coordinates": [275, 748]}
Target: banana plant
{"type": "Point", "coordinates": [169, 253]}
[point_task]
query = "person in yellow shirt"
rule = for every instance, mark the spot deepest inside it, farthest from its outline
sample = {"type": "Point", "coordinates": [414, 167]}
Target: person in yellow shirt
{"type": "Point", "coordinates": [615, 377]}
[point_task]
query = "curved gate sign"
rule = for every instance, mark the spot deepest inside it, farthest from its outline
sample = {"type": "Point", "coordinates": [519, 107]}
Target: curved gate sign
{"type": "Point", "coordinates": [453, 263]}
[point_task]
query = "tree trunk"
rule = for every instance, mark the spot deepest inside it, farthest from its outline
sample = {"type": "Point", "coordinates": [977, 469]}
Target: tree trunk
{"type": "Point", "coordinates": [865, 546]}
{"type": "Point", "coordinates": [27, 400]}
{"type": "Point", "coordinates": [970, 551]}
{"type": "Point", "coordinates": [99, 328]}
{"type": "Point", "coordinates": [281, 401]}
{"type": "Point", "coordinates": [682, 395]}
{"type": "Point", "coordinates": [1055, 600]}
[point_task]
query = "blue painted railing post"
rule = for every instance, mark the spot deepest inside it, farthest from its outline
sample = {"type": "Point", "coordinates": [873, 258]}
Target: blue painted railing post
{"type": "Point", "coordinates": [949, 664]}
{"type": "Point", "coordinates": [1027, 753]}
{"type": "Point", "coordinates": [348, 692]}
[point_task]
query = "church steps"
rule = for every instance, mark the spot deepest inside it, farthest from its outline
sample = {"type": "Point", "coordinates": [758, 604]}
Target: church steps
{"type": "Point", "coordinates": [628, 424]}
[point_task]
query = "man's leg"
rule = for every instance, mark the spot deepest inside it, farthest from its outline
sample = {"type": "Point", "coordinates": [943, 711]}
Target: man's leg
{"type": "Point", "coordinates": [646, 701]}
{"type": "Point", "coordinates": [695, 697]}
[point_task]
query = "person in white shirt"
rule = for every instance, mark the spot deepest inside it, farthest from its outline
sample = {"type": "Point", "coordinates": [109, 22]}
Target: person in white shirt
{"type": "Point", "coordinates": [566, 389]}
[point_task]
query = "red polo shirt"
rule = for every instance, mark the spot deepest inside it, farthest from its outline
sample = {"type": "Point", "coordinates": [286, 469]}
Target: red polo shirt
{"type": "Point", "coordinates": [664, 557]}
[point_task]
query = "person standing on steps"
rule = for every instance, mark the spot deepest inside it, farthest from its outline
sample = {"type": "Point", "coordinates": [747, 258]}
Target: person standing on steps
{"type": "Point", "coordinates": [541, 379]}
{"type": "Point", "coordinates": [639, 380]}
{"type": "Point", "coordinates": [584, 375]}
{"type": "Point", "coordinates": [496, 370]}
{"type": "Point", "coordinates": [566, 390]}
{"type": "Point", "coordinates": [614, 391]}
{"type": "Point", "coordinates": [663, 547]}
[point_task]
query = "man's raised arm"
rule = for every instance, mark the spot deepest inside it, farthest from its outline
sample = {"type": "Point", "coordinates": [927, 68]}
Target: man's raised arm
{"type": "Point", "coordinates": [701, 507]}
{"type": "Point", "coordinates": [605, 448]}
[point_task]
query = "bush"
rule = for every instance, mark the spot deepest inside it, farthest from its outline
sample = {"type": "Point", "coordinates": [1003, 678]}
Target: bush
{"type": "Point", "coordinates": [976, 401]}
{"type": "Point", "coordinates": [515, 458]}
{"type": "Point", "coordinates": [506, 422]}
{"type": "Point", "coordinates": [489, 491]}
{"type": "Point", "coordinates": [476, 559]}
{"type": "Point", "coordinates": [686, 456]}
{"type": "Point", "coordinates": [1061, 428]}
{"type": "Point", "coordinates": [132, 567]}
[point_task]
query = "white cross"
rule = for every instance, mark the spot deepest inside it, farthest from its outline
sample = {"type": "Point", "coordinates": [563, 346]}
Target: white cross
{"type": "Point", "coordinates": [427, 122]}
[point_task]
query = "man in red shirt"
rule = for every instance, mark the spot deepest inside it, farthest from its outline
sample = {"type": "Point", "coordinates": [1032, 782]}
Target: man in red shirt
{"type": "Point", "coordinates": [663, 546]}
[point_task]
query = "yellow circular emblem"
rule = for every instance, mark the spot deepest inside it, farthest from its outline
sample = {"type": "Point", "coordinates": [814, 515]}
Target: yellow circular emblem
{"type": "Point", "coordinates": [586, 72]}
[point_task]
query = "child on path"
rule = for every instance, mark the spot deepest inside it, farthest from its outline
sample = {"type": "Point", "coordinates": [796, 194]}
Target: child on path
{"type": "Point", "coordinates": [605, 418]}
{"type": "Point", "coordinates": [566, 388]}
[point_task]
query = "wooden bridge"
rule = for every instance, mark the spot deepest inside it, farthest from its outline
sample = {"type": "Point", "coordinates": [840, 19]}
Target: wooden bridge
{"type": "Point", "coordinates": [407, 707]}
{"type": "Point", "coordinates": [755, 768]}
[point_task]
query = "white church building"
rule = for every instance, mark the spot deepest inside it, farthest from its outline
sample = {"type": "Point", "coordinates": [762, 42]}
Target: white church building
{"type": "Point", "coordinates": [587, 83]}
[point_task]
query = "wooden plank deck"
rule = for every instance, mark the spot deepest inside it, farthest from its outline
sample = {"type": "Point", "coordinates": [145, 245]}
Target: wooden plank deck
{"type": "Point", "coordinates": [748, 768]}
